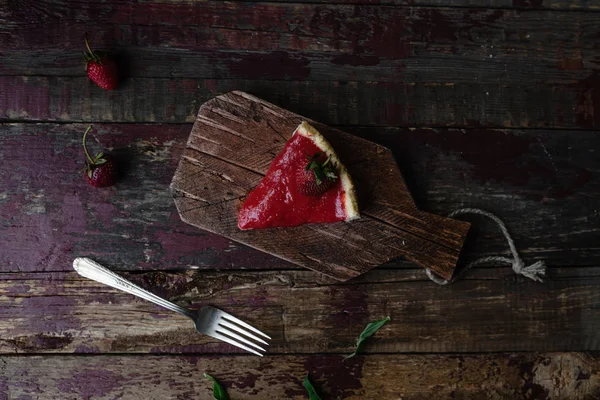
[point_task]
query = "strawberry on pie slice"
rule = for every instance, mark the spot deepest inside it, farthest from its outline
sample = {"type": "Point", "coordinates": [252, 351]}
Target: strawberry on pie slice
{"type": "Point", "coordinates": [306, 183]}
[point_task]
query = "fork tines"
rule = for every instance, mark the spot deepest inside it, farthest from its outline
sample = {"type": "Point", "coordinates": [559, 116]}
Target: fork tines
{"type": "Point", "coordinates": [238, 333]}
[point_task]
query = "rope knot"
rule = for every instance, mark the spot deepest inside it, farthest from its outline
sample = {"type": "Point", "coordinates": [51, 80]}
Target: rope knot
{"type": "Point", "coordinates": [518, 265]}
{"type": "Point", "coordinates": [535, 271]}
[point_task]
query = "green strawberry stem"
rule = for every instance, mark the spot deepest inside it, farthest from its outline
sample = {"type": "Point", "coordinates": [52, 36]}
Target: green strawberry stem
{"type": "Point", "coordinates": [321, 171]}
{"type": "Point", "coordinates": [88, 46]}
{"type": "Point", "coordinates": [89, 128]}
{"type": "Point", "coordinates": [90, 55]}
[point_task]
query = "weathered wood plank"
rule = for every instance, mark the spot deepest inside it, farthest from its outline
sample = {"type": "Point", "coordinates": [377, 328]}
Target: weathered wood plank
{"type": "Point", "coordinates": [588, 5]}
{"type": "Point", "coordinates": [491, 310]}
{"type": "Point", "coordinates": [49, 214]}
{"type": "Point", "coordinates": [489, 376]}
{"type": "Point", "coordinates": [433, 64]}
{"type": "Point", "coordinates": [67, 19]}
{"type": "Point", "coordinates": [315, 42]}
{"type": "Point", "coordinates": [60, 8]}
{"type": "Point", "coordinates": [333, 103]}
{"type": "Point", "coordinates": [542, 183]}
{"type": "Point", "coordinates": [495, 174]}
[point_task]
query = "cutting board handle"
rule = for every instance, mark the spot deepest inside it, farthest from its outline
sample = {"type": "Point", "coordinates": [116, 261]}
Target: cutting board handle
{"type": "Point", "coordinates": [437, 247]}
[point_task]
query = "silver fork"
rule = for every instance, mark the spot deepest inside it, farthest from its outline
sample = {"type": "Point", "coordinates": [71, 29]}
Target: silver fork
{"type": "Point", "coordinates": [208, 320]}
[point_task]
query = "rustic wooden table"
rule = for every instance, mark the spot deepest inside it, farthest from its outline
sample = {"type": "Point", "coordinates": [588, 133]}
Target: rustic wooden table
{"type": "Point", "coordinates": [493, 106]}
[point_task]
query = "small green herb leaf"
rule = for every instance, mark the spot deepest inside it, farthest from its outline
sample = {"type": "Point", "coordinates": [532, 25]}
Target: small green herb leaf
{"type": "Point", "coordinates": [312, 393]}
{"type": "Point", "coordinates": [370, 329]}
{"type": "Point", "coordinates": [218, 391]}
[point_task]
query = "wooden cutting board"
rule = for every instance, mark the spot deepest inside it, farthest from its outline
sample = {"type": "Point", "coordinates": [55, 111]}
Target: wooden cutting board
{"type": "Point", "coordinates": [233, 141]}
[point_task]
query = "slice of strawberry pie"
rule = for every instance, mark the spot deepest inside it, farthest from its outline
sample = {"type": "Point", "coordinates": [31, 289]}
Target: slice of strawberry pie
{"type": "Point", "coordinates": [306, 183]}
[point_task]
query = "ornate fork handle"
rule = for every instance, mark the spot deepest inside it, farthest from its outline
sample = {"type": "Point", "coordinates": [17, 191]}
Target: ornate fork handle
{"type": "Point", "coordinates": [96, 272]}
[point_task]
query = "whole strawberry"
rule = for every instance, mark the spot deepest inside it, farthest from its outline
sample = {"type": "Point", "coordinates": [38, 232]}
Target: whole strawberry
{"type": "Point", "coordinates": [101, 68]}
{"type": "Point", "coordinates": [317, 176]}
{"type": "Point", "coordinates": [100, 171]}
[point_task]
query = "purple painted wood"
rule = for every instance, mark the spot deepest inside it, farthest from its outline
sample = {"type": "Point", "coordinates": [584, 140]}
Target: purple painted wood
{"type": "Point", "coordinates": [397, 65]}
{"type": "Point", "coordinates": [313, 42]}
{"type": "Point", "coordinates": [369, 69]}
{"type": "Point", "coordinates": [304, 312]}
{"type": "Point", "coordinates": [135, 224]}
{"type": "Point", "coordinates": [52, 215]}
{"type": "Point", "coordinates": [471, 377]}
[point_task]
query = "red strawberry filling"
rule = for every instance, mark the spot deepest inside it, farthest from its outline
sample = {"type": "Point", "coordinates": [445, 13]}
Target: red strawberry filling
{"type": "Point", "coordinates": [278, 201]}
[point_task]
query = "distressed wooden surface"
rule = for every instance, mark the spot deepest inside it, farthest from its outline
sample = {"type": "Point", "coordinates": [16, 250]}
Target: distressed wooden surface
{"type": "Point", "coordinates": [542, 175]}
{"type": "Point", "coordinates": [330, 102]}
{"type": "Point", "coordinates": [311, 42]}
{"type": "Point", "coordinates": [491, 310]}
{"type": "Point", "coordinates": [233, 142]}
{"type": "Point", "coordinates": [520, 75]}
{"type": "Point", "coordinates": [441, 66]}
{"type": "Point", "coordinates": [484, 376]}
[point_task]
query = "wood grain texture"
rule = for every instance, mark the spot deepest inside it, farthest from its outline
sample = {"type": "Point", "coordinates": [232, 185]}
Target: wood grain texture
{"type": "Point", "coordinates": [342, 64]}
{"type": "Point", "coordinates": [312, 42]}
{"type": "Point", "coordinates": [559, 376]}
{"type": "Point", "coordinates": [374, 68]}
{"type": "Point", "coordinates": [544, 190]}
{"type": "Point", "coordinates": [213, 25]}
{"type": "Point", "coordinates": [50, 215]}
{"type": "Point", "coordinates": [490, 310]}
{"type": "Point", "coordinates": [235, 138]}
{"type": "Point", "coordinates": [571, 5]}
{"type": "Point", "coordinates": [477, 64]}
{"type": "Point", "coordinates": [333, 103]}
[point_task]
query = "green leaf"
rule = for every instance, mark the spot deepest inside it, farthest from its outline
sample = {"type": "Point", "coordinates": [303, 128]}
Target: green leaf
{"type": "Point", "coordinates": [218, 391]}
{"type": "Point", "coordinates": [370, 329]}
{"type": "Point", "coordinates": [312, 393]}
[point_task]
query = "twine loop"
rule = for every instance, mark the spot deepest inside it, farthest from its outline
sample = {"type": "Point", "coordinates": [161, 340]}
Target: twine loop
{"type": "Point", "coordinates": [535, 271]}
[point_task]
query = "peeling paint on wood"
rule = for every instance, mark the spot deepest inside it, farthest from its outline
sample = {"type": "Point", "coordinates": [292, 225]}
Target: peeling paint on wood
{"type": "Point", "coordinates": [52, 215]}
{"type": "Point", "coordinates": [489, 376]}
{"type": "Point", "coordinates": [542, 175]}
{"type": "Point", "coordinates": [373, 66]}
{"type": "Point", "coordinates": [490, 310]}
